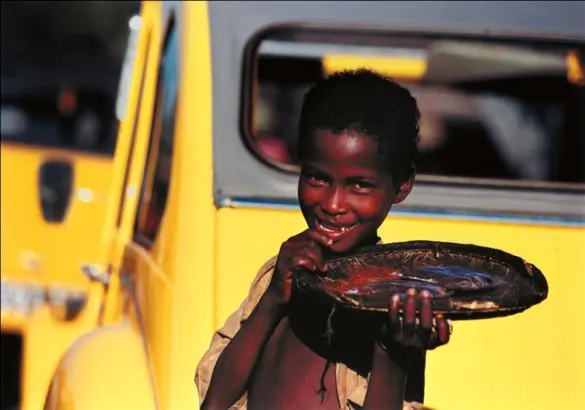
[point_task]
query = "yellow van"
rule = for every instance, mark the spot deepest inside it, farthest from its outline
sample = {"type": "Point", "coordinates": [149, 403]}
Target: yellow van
{"type": "Point", "coordinates": [197, 205]}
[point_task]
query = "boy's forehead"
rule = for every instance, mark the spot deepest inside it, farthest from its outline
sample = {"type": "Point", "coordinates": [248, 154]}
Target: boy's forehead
{"type": "Point", "coordinates": [346, 154]}
{"type": "Point", "coordinates": [346, 145]}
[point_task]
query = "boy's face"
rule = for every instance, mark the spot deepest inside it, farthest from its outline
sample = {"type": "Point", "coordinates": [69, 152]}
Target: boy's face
{"type": "Point", "coordinates": [345, 190]}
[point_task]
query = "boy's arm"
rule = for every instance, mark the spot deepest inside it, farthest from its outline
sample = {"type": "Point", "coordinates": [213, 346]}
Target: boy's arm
{"type": "Point", "coordinates": [237, 361]}
{"type": "Point", "coordinates": [387, 382]}
{"type": "Point", "coordinates": [415, 384]}
{"type": "Point", "coordinates": [232, 326]}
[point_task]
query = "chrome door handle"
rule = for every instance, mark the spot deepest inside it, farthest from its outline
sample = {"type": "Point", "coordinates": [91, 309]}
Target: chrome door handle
{"type": "Point", "coordinates": [93, 273]}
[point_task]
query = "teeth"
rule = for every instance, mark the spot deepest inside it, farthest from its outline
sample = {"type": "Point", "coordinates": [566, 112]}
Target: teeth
{"type": "Point", "coordinates": [342, 229]}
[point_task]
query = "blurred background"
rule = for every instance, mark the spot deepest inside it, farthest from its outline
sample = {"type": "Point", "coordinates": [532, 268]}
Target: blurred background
{"type": "Point", "coordinates": [60, 70]}
{"type": "Point", "coordinates": [61, 65]}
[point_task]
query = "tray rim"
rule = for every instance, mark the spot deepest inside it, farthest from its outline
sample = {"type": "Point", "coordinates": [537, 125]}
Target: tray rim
{"type": "Point", "coordinates": [511, 261]}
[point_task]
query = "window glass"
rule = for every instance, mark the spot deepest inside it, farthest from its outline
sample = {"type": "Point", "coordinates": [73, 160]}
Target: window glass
{"type": "Point", "coordinates": [157, 174]}
{"type": "Point", "coordinates": [60, 71]}
{"type": "Point", "coordinates": [491, 112]}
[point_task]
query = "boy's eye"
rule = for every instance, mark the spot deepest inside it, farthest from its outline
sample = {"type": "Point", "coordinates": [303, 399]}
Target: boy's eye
{"type": "Point", "coordinates": [317, 180]}
{"type": "Point", "coordinates": [363, 186]}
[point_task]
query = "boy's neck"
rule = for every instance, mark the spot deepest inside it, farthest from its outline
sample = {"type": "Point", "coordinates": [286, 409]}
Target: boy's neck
{"type": "Point", "coordinates": [371, 240]}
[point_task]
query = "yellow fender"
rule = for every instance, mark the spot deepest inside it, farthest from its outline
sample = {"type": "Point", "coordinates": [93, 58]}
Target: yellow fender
{"type": "Point", "coordinates": [105, 369]}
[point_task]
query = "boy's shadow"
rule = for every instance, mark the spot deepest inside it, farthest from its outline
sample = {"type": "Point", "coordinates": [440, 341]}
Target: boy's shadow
{"type": "Point", "coordinates": [343, 335]}
{"type": "Point", "coordinates": [337, 334]}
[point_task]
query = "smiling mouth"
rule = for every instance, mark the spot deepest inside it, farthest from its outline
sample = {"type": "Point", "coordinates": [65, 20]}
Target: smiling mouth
{"type": "Point", "coordinates": [334, 231]}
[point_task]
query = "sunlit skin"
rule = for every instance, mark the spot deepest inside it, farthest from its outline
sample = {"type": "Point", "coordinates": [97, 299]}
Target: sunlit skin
{"type": "Point", "coordinates": [345, 191]}
{"type": "Point", "coordinates": [345, 183]}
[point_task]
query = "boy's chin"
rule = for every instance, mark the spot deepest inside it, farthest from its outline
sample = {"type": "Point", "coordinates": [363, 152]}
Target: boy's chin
{"type": "Point", "coordinates": [347, 245]}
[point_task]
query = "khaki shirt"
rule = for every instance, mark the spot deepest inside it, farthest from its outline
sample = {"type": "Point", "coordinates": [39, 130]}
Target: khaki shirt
{"type": "Point", "coordinates": [351, 387]}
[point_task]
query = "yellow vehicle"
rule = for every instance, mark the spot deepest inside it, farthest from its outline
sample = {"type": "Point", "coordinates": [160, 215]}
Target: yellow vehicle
{"type": "Point", "coordinates": [197, 206]}
{"type": "Point", "coordinates": [58, 131]}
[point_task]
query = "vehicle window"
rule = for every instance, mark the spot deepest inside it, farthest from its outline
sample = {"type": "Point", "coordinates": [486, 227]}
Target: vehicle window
{"type": "Point", "coordinates": [155, 186]}
{"type": "Point", "coordinates": [495, 113]}
{"type": "Point", "coordinates": [60, 119]}
{"type": "Point", "coordinates": [59, 80]}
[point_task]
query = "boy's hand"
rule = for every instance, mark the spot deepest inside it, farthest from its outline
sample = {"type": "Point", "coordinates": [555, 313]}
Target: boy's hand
{"type": "Point", "coordinates": [410, 329]}
{"type": "Point", "coordinates": [304, 249]}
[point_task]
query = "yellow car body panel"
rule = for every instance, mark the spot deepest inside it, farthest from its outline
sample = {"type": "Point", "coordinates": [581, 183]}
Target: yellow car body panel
{"type": "Point", "coordinates": [89, 380]}
{"type": "Point", "coordinates": [41, 252]}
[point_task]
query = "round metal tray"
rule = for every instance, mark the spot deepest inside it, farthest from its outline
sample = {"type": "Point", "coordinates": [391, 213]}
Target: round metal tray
{"type": "Point", "coordinates": [466, 281]}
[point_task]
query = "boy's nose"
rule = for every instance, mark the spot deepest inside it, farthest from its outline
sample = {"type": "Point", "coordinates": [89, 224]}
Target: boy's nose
{"type": "Point", "coordinates": [334, 202]}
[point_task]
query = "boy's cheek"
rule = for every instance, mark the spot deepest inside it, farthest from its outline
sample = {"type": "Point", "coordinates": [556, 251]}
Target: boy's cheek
{"type": "Point", "coordinates": [373, 213]}
{"type": "Point", "coordinates": [307, 196]}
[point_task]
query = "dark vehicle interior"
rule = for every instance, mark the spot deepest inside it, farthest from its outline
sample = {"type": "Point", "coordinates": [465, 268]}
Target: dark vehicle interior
{"type": "Point", "coordinates": [60, 71]}
{"type": "Point", "coordinates": [502, 112]}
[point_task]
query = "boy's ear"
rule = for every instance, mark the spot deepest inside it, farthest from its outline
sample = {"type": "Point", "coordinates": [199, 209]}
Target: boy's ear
{"type": "Point", "coordinates": [405, 188]}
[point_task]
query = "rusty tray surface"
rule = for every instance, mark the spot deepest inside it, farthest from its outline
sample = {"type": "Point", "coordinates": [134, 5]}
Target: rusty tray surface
{"type": "Point", "coordinates": [466, 281]}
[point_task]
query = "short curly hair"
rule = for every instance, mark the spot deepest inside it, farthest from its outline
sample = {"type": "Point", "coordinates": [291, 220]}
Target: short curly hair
{"type": "Point", "coordinates": [371, 104]}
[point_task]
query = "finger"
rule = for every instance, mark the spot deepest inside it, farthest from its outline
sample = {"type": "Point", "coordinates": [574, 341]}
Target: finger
{"type": "Point", "coordinates": [433, 341]}
{"type": "Point", "coordinates": [320, 238]}
{"type": "Point", "coordinates": [394, 313]}
{"type": "Point", "coordinates": [302, 261]}
{"type": "Point", "coordinates": [426, 316]}
{"type": "Point", "coordinates": [409, 326]}
{"type": "Point", "coordinates": [442, 326]}
{"type": "Point", "coordinates": [315, 254]}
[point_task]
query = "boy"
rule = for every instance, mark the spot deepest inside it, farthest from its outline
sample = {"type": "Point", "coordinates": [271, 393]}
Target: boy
{"type": "Point", "coordinates": [357, 144]}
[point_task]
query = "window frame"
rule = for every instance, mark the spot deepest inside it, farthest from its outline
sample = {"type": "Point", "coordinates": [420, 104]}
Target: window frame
{"type": "Point", "coordinates": [241, 180]}
{"type": "Point", "coordinates": [139, 101]}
